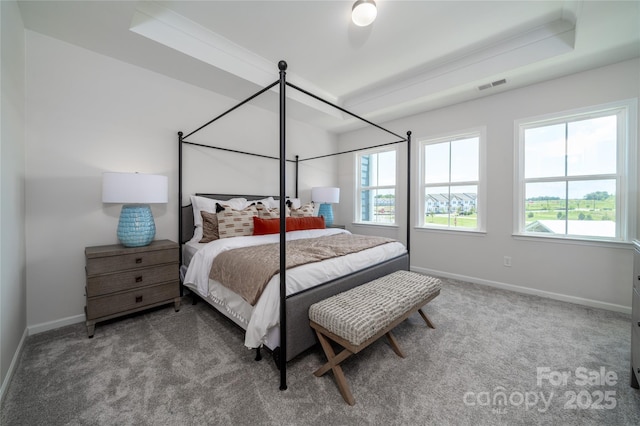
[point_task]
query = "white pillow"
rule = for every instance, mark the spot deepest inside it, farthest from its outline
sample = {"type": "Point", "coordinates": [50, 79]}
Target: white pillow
{"type": "Point", "coordinates": [268, 202]}
{"type": "Point", "coordinates": [295, 202]}
{"type": "Point", "coordinates": [273, 204]}
{"type": "Point", "coordinates": [209, 205]}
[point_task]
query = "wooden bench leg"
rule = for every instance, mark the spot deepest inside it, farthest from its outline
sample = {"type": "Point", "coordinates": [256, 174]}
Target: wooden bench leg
{"type": "Point", "coordinates": [426, 318]}
{"type": "Point", "coordinates": [333, 363]}
{"type": "Point", "coordinates": [394, 344]}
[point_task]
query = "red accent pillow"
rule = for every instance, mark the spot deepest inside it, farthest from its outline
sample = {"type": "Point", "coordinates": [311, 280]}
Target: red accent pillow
{"type": "Point", "coordinates": [303, 223]}
{"type": "Point", "coordinates": [265, 226]}
{"type": "Point", "coordinates": [272, 226]}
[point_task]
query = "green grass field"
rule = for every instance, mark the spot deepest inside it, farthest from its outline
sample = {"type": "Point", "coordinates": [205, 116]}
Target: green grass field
{"type": "Point", "coordinates": [578, 210]}
{"type": "Point", "coordinates": [534, 210]}
{"type": "Point", "coordinates": [540, 210]}
{"type": "Point", "coordinates": [470, 221]}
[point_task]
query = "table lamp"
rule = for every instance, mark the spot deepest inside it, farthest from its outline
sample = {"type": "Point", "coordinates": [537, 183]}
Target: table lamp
{"type": "Point", "coordinates": [135, 191]}
{"type": "Point", "coordinates": [326, 196]}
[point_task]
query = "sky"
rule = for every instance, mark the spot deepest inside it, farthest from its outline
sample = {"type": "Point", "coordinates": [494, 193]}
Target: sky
{"type": "Point", "coordinates": [588, 147]}
{"type": "Point", "coordinates": [585, 147]}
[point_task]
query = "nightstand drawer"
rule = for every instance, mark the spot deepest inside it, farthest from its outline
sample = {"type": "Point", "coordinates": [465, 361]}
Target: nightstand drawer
{"type": "Point", "coordinates": [635, 352]}
{"type": "Point", "coordinates": [635, 318]}
{"type": "Point", "coordinates": [636, 269]}
{"type": "Point", "coordinates": [120, 302]}
{"type": "Point", "coordinates": [635, 312]}
{"type": "Point", "coordinates": [100, 265]}
{"type": "Point", "coordinates": [123, 281]}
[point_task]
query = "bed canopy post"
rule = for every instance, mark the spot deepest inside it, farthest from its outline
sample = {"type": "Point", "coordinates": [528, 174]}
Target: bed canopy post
{"type": "Point", "coordinates": [409, 199]}
{"type": "Point", "coordinates": [297, 164]}
{"type": "Point", "coordinates": [282, 66]}
{"type": "Point", "coordinates": [180, 198]}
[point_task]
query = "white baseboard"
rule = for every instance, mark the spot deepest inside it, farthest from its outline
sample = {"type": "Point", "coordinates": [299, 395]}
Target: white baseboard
{"type": "Point", "coordinates": [527, 290]}
{"type": "Point", "coordinates": [52, 325]}
{"type": "Point", "coordinates": [12, 366]}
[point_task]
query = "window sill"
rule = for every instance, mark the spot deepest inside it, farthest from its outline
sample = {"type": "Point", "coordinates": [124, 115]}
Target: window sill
{"type": "Point", "coordinates": [375, 225]}
{"type": "Point", "coordinates": [574, 241]}
{"type": "Point", "coordinates": [471, 232]}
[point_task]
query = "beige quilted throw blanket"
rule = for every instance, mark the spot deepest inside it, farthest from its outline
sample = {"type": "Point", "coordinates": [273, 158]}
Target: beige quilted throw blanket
{"type": "Point", "coordinates": [247, 270]}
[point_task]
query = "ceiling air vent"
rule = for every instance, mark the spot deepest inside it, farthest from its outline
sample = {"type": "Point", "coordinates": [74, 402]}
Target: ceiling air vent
{"type": "Point", "coordinates": [492, 84]}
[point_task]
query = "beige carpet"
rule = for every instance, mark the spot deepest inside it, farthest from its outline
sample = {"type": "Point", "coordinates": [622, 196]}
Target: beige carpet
{"type": "Point", "coordinates": [496, 357]}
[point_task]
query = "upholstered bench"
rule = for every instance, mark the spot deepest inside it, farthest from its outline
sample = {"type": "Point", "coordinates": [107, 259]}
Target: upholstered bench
{"type": "Point", "coordinates": [358, 317]}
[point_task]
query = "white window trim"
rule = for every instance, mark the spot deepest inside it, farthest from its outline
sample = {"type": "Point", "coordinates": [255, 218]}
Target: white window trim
{"type": "Point", "coordinates": [358, 210]}
{"type": "Point", "coordinates": [626, 174]}
{"type": "Point", "coordinates": [481, 133]}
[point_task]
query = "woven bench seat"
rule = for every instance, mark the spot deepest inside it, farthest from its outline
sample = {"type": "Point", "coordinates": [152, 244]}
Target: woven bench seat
{"type": "Point", "coordinates": [358, 317]}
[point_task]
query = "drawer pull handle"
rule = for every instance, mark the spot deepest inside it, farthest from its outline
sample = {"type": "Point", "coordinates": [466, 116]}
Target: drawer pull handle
{"type": "Point", "coordinates": [138, 279]}
{"type": "Point", "coordinates": [138, 299]}
{"type": "Point", "coordinates": [139, 260]}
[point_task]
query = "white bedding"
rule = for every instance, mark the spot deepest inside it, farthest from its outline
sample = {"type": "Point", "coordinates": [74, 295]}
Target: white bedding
{"type": "Point", "coordinates": [261, 321]}
{"type": "Point", "coordinates": [189, 249]}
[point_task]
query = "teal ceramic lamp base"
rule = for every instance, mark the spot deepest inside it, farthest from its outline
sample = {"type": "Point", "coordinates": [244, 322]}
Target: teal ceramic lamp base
{"type": "Point", "coordinates": [136, 227]}
{"type": "Point", "coordinates": [326, 211]}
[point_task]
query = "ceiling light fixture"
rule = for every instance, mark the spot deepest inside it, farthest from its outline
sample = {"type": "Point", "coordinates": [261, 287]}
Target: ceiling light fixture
{"type": "Point", "coordinates": [364, 12]}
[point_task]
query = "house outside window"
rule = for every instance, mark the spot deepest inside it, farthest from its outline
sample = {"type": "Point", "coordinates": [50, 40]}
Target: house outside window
{"type": "Point", "coordinates": [576, 174]}
{"type": "Point", "coordinates": [452, 184]}
{"type": "Point", "coordinates": [376, 187]}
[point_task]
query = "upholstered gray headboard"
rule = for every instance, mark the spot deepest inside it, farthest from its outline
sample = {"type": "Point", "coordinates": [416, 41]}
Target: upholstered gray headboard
{"type": "Point", "coordinates": [186, 231]}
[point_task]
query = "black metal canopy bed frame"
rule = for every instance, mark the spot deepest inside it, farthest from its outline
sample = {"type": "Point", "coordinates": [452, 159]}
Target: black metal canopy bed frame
{"type": "Point", "coordinates": [295, 333]}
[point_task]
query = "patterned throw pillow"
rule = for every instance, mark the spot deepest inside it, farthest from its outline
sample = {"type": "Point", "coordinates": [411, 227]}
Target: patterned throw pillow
{"type": "Point", "coordinates": [206, 204]}
{"type": "Point", "coordinates": [209, 227]}
{"type": "Point", "coordinates": [305, 210]}
{"type": "Point", "coordinates": [265, 212]}
{"type": "Point", "coordinates": [236, 223]}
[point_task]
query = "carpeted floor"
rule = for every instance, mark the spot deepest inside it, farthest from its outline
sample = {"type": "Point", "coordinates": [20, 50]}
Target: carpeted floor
{"type": "Point", "coordinates": [496, 357]}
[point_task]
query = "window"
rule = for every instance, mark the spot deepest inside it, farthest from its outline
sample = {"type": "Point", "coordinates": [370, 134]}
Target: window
{"type": "Point", "coordinates": [576, 174]}
{"type": "Point", "coordinates": [451, 194]}
{"type": "Point", "coordinates": [376, 189]}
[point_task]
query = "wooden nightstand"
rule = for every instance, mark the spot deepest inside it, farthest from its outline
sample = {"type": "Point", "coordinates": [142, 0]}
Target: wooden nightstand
{"type": "Point", "coordinates": [123, 280]}
{"type": "Point", "coordinates": [635, 318]}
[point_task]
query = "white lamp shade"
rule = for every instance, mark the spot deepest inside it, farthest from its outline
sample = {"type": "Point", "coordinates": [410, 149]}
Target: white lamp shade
{"type": "Point", "coordinates": [325, 194]}
{"type": "Point", "coordinates": [134, 188]}
{"type": "Point", "coordinates": [364, 12]}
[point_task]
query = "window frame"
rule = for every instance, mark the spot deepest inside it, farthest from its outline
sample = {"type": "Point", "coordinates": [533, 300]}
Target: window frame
{"type": "Point", "coordinates": [359, 188]}
{"type": "Point", "coordinates": [480, 133]}
{"type": "Point", "coordinates": [625, 174]}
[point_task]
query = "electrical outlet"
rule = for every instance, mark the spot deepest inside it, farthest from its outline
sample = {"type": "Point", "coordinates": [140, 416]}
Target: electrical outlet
{"type": "Point", "coordinates": [507, 261]}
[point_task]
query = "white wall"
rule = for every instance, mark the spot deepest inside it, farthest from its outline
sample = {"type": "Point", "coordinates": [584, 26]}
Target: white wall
{"type": "Point", "coordinates": [87, 114]}
{"type": "Point", "coordinates": [251, 129]}
{"type": "Point", "coordinates": [594, 274]}
{"type": "Point", "coordinates": [13, 305]}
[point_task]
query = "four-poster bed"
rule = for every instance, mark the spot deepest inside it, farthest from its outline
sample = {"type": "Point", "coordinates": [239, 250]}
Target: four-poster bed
{"type": "Point", "coordinates": [294, 334]}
